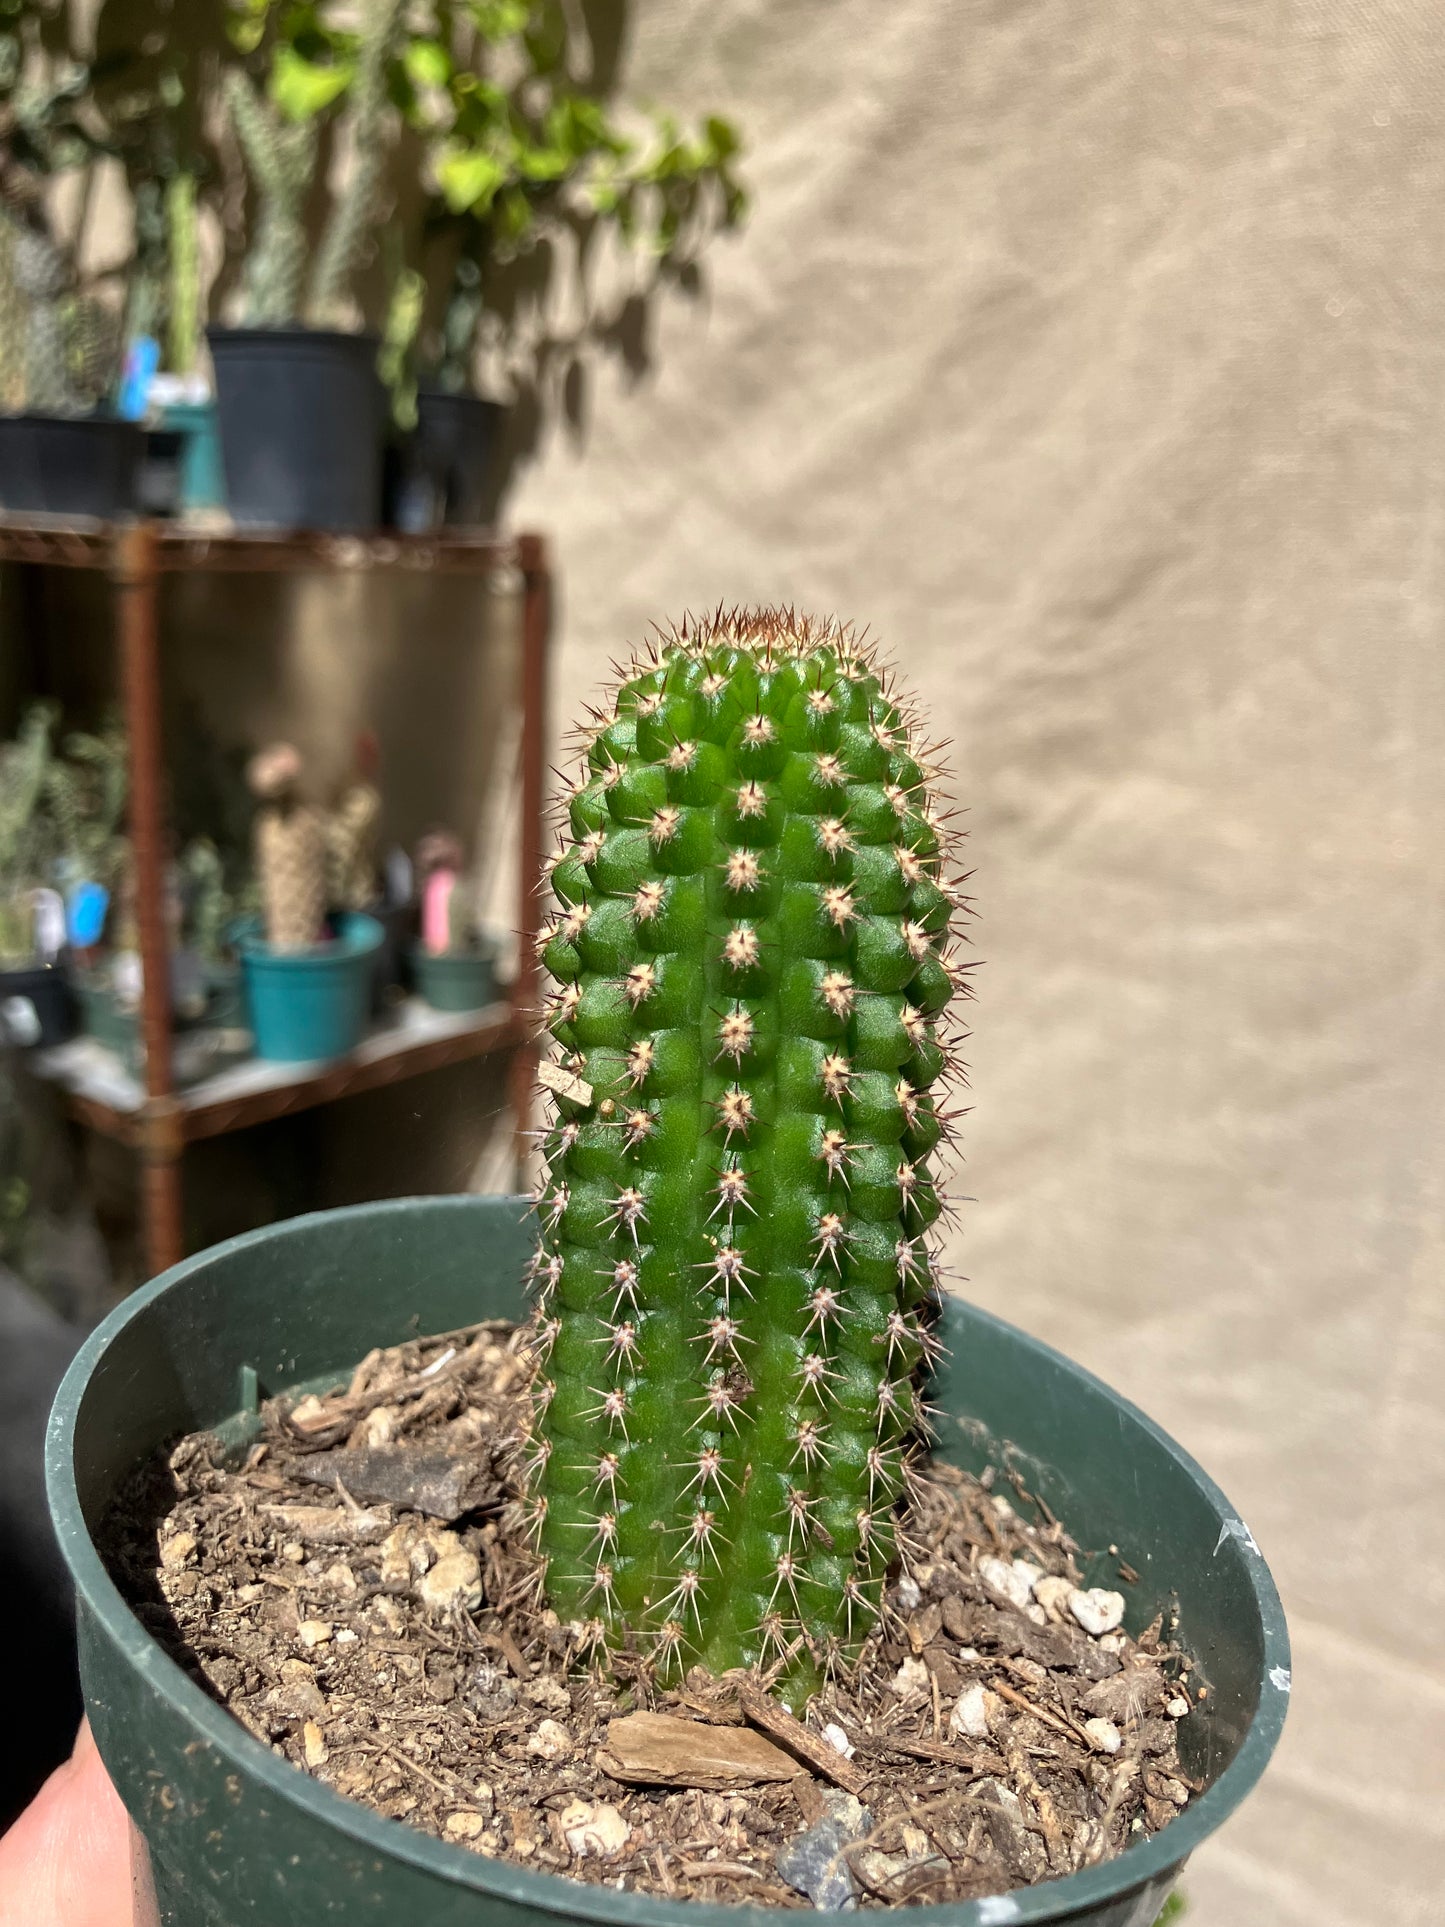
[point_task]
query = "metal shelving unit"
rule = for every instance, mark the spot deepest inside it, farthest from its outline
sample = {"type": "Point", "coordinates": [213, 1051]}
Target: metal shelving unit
{"type": "Point", "coordinates": [157, 1119]}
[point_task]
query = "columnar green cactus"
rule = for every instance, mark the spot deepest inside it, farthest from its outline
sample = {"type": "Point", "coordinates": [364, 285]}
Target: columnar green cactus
{"type": "Point", "coordinates": [351, 221]}
{"type": "Point", "coordinates": [733, 1279]}
{"type": "Point", "coordinates": [281, 158]}
{"type": "Point", "coordinates": [43, 279]}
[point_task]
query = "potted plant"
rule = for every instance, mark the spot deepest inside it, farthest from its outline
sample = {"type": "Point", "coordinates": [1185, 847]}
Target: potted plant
{"type": "Point", "coordinates": [308, 987]}
{"type": "Point", "coordinates": [154, 78]}
{"type": "Point", "coordinates": [356, 879]}
{"type": "Point", "coordinates": [736, 1323]}
{"type": "Point", "coordinates": [521, 147]}
{"type": "Point", "coordinates": [62, 450]}
{"type": "Point", "coordinates": [35, 1000]}
{"type": "Point", "coordinates": [454, 964]}
{"type": "Point", "coordinates": [300, 402]}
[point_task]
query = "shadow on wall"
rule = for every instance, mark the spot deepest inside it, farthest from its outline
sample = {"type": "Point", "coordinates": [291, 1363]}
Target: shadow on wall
{"type": "Point", "coordinates": [575, 297]}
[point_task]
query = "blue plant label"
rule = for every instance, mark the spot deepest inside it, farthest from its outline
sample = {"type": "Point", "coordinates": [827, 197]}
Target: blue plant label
{"type": "Point", "coordinates": [86, 913]}
{"type": "Point", "coordinates": [142, 359]}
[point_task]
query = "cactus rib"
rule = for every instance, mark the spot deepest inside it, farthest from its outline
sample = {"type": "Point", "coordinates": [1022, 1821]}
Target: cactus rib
{"type": "Point", "coordinates": [752, 960]}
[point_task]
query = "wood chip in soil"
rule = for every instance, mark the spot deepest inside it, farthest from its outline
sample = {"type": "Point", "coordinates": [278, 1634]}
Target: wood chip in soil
{"type": "Point", "coordinates": [352, 1591]}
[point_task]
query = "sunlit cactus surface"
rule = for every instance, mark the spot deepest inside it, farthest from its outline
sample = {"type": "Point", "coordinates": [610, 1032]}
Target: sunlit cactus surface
{"type": "Point", "coordinates": [752, 963]}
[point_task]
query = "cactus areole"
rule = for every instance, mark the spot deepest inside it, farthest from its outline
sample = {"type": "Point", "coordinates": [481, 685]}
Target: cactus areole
{"type": "Point", "coordinates": [734, 1287]}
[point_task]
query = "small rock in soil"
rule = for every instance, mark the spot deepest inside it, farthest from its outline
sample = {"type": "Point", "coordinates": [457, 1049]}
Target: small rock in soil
{"type": "Point", "coordinates": [969, 1718]}
{"type": "Point", "coordinates": [1097, 1611]}
{"type": "Point", "coordinates": [1104, 1735]}
{"type": "Point", "coordinates": [814, 1862]}
{"type": "Point", "coordinates": [599, 1831]}
{"type": "Point", "coordinates": [453, 1581]}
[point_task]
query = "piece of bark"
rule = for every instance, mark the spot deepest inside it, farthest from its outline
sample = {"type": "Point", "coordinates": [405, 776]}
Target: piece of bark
{"type": "Point", "coordinates": [809, 1796]}
{"type": "Point", "coordinates": [815, 1753]}
{"type": "Point", "coordinates": [651, 1749]}
{"type": "Point", "coordinates": [441, 1486]}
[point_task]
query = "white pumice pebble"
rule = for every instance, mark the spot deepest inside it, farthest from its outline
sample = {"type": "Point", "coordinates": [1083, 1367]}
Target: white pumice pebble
{"type": "Point", "coordinates": [1053, 1594]}
{"type": "Point", "coordinates": [912, 1677]}
{"type": "Point", "coordinates": [596, 1830]}
{"type": "Point", "coordinates": [1036, 1614]}
{"type": "Point", "coordinates": [1113, 1643]}
{"type": "Point", "coordinates": [1013, 1580]}
{"type": "Point", "coordinates": [1104, 1735]}
{"type": "Point", "coordinates": [550, 1742]}
{"type": "Point", "coordinates": [1097, 1611]}
{"type": "Point", "coordinates": [908, 1596]}
{"type": "Point", "coordinates": [969, 1718]}
{"type": "Point", "coordinates": [1177, 1708]}
{"type": "Point", "coordinates": [1001, 1506]}
{"type": "Point", "coordinates": [838, 1740]}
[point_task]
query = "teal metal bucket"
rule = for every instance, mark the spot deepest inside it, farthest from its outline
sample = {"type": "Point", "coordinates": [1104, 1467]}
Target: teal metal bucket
{"type": "Point", "coordinates": [236, 1837]}
{"type": "Point", "coordinates": [313, 1003]}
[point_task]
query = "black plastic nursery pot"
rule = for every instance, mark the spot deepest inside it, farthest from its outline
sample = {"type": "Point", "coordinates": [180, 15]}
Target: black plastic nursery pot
{"type": "Point", "coordinates": [37, 1005]}
{"type": "Point", "coordinates": [234, 1834]}
{"type": "Point", "coordinates": [302, 414]}
{"type": "Point", "coordinates": [456, 435]}
{"type": "Point", "coordinates": [87, 465]}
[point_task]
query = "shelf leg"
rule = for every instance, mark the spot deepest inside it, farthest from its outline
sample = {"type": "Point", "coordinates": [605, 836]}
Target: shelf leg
{"type": "Point", "coordinates": [136, 576]}
{"type": "Point", "coordinates": [536, 620]}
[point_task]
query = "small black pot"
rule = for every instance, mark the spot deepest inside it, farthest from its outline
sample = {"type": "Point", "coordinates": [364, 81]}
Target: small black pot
{"type": "Point", "coordinates": [456, 437]}
{"type": "Point", "coordinates": [37, 1005]}
{"type": "Point", "coordinates": [83, 465]}
{"type": "Point", "coordinates": [160, 476]}
{"type": "Point", "coordinates": [302, 413]}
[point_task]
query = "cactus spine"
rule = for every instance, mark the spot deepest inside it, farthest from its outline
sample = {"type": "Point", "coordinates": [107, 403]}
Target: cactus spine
{"type": "Point", "coordinates": [734, 1281]}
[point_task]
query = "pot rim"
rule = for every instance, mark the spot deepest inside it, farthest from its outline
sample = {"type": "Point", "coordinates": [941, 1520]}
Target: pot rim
{"type": "Point", "coordinates": [1055, 1899]}
{"type": "Point", "coordinates": [358, 935]}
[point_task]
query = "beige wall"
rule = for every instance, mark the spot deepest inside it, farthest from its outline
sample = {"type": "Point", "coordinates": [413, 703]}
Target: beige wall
{"type": "Point", "coordinates": [1094, 355]}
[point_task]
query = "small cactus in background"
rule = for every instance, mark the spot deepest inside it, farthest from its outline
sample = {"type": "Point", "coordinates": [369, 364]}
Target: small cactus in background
{"type": "Point", "coordinates": [281, 155]}
{"type": "Point", "coordinates": [351, 833]}
{"type": "Point", "coordinates": [281, 159]}
{"type": "Point", "coordinates": [735, 1286]}
{"type": "Point", "coordinates": [290, 851]}
{"type": "Point", "coordinates": [210, 904]}
{"type": "Point", "coordinates": [42, 278]}
{"type": "Point", "coordinates": [349, 228]}
{"type": "Point", "coordinates": [28, 835]}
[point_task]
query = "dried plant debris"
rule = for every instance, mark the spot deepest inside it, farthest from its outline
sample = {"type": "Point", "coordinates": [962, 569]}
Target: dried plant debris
{"type": "Point", "coordinates": [356, 1590]}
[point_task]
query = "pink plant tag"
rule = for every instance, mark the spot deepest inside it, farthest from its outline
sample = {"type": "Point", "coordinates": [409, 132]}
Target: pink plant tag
{"type": "Point", "coordinates": [436, 922]}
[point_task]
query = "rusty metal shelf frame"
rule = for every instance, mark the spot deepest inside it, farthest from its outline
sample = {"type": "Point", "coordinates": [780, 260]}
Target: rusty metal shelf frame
{"type": "Point", "coordinates": [135, 555]}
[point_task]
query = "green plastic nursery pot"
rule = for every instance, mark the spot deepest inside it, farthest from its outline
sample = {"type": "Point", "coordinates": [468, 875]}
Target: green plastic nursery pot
{"type": "Point", "coordinates": [235, 1834]}
{"type": "Point", "coordinates": [311, 1003]}
{"type": "Point", "coordinates": [456, 980]}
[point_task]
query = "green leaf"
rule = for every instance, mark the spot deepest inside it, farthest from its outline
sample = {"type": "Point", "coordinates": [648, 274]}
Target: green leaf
{"type": "Point", "coordinates": [498, 20]}
{"type": "Point", "coordinates": [469, 179]}
{"type": "Point", "coordinates": [428, 63]}
{"type": "Point", "coordinates": [722, 138]}
{"type": "Point", "coordinates": [301, 89]}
